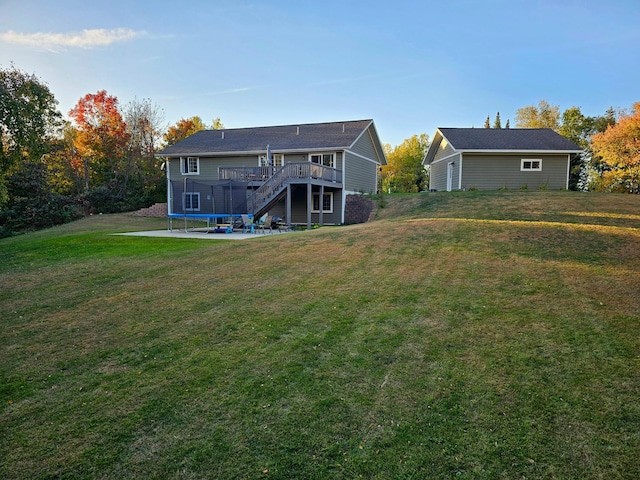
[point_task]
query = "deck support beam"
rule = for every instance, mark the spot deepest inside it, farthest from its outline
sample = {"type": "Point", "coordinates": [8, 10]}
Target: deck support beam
{"type": "Point", "coordinates": [320, 202]}
{"type": "Point", "coordinates": [309, 205]}
{"type": "Point", "coordinates": [288, 211]}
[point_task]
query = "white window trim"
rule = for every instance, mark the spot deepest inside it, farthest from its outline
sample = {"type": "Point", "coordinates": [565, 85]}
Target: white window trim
{"type": "Point", "coordinates": [531, 169]}
{"type": "Point", "coordinates": [278, 160]}
{"type": "Point", "coordinates": [317, 194]}
{"type": "Point", "coordinates": [333, 158]}
{"type": "Point", "coordinates": [184, 162]}
{"type": "Point", "coordinates": [184, 201]}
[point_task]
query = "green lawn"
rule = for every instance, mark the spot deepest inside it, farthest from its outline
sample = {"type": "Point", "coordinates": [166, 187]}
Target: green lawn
{"type": "Point", "coordinates": [459, 335]}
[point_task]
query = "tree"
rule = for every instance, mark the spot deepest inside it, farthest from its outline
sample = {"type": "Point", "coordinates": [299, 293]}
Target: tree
{"type": "Point", "coordinates": [619, 147]}
{"type": "Point", "coordinates": [145, 126]}
{"type": "Point", "coordinates": [64, 165]}
{"type": "Point", "coordinates": [404, 171]}
{"type": "Point", "coordinates": [184, 128]}
{"type": "Point", "coordinates": [102, 138]}
{"type": "Point", "coordinates": [28, 121]}
{"type": "Point", "coordinates": [578, 128]}
{"type": "Point", "coordinates": [487, 122]}
{"type": "Point", "coordinates": [217, 124]}
{"type": "Point", "coordinates": [506, 125]}
{"type": "Point", "coordinates": [542, 116]}
{"type": "Point", "coordinates": [497, 123]}
{"type": "Point", "coordinates": [28, 118]}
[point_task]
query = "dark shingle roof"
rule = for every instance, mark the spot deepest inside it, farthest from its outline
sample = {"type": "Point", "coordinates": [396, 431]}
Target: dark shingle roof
{"type": "Point", "coordinates": [538, 139]}
{"type": "Point", "coordinates": [303, 137]}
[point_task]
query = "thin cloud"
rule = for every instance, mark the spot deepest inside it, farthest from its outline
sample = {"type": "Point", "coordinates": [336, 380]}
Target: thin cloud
{"type": "Point", "coordinates": [86, 39]}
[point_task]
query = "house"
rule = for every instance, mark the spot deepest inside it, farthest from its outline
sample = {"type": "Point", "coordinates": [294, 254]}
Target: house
{"type": "Point", "coordinates": [301, 173]}
{"type": "Point", "coordinates": [494, 158]}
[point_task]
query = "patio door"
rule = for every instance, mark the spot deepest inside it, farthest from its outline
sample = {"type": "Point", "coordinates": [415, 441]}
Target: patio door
{"type": "Point", "coordinates": [449, 176]}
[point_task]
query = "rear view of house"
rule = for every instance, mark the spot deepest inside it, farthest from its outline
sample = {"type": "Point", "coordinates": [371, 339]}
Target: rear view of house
{"type": "Point", "coordinates": [493, 158]}
{"type": "Point", "coordinates": [302, 173]}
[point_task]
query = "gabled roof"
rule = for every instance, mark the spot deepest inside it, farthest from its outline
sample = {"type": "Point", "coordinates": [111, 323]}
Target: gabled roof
{"type": "Point", "coordinates": [283, 138]}
{"type": "Point", "coordinates": [501, 140]}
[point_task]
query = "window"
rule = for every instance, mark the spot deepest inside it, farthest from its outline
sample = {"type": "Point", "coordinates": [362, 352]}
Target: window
{"type": "Point", "coordinates": [326, 159]}
{"type": "Point", "coordinates": [327, 203]}
{"type": "Point", "coordinates": [276, 158]}
{"type": "Point", "coordinates": [189, 165]}
{"type": "Point", "coordinates": [531, 165]}
{"type": "Point", "coordinates": [191, 201]}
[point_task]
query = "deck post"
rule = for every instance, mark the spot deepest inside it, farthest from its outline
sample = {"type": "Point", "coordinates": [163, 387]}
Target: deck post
{"type": "Point", "coordinates": [288, 212]}
{"type": "Point", "coordinates": [309, 205]}
{"type": "Point", "coordinates": [320, 202]}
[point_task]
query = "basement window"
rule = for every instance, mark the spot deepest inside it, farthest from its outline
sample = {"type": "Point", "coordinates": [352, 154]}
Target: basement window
{"type": "Point", "coordinates": [191, 201]}
{"type": "Point", "coordinates": [327, 203]}
{"type": "Point", "coordinates": [530, 165]}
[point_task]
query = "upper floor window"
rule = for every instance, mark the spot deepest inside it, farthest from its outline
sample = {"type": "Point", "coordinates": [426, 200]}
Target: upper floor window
{"type": "Point", "coordinates": [189, 165]}
{"type": "Point", "coordinates": [530, 165]}
{"type": "Point", "coordinates": [277, 160]}
{"type": "Point", "coordinates": [326, 159]}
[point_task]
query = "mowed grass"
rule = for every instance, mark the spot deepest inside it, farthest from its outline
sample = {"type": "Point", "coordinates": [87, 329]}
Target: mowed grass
{"type": "Point", "coordinates": [459, 335]}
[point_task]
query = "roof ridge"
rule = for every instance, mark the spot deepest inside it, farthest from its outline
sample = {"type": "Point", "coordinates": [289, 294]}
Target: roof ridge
{"type": "Point", "coordinates": [262, 127]}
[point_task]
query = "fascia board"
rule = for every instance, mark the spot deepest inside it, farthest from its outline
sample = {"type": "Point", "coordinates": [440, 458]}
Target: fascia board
{"type": "Point", "coordinates": [520, 151]}
{"type": "Point", "coordinates": [433, 147]}
{"type": "Point", "coordinates": [249, 152]}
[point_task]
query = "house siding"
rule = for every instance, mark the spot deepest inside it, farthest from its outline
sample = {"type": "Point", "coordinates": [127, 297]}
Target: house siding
{"type": "Point", "coordinates": [209, 166]}
{"type": "Point", "coordinates": [438, 174]}
{"type": "Point", "coordinates": [299, 207]}
{"type": "Point", "coordinates": [365, 147]}
{"type": "Point", "coordinates": [360, 174]}
{"type": "Point", "coordinates": [492, 172]}
{"type": "Point", "coordinates": [444, 150]}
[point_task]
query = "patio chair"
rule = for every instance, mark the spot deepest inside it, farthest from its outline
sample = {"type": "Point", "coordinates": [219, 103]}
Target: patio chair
{"type": "Point", "coordinates": [247, 224]}
{"type": "Point", "coordinates": [266, 224]}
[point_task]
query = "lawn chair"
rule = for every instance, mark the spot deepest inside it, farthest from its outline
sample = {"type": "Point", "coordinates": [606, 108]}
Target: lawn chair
{"type": "Point", "coordinates": [247, 224]}
{"type": "Point", "coordinates": [266, 224]}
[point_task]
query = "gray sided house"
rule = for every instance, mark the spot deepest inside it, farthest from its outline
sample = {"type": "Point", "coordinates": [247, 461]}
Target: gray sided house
{"type": "Point", "coordinates": [494, 158]}
{"type": "Point", "coordinates": [301, 173]}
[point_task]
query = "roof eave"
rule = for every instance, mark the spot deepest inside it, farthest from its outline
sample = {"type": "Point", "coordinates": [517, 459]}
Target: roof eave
{"type": "Point", "coordinates": [250, 152]}
{"type": "Point", "coordinates": [519, 150]}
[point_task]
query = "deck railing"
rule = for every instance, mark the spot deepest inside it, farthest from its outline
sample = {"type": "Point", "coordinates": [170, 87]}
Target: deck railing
{"type": "Point", "coordinates": [247, 174]}
{"type": "Point", "coordinates": [287, 174]}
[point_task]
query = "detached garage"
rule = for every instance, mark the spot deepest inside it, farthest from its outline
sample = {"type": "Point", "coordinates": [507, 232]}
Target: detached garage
{"type": "Point", "coordinates": [494, 158]}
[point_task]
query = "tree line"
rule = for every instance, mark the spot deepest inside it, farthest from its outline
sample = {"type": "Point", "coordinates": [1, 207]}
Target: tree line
{"type": "Point", "coordinates": [102, 160]}
{"type": "Point", "coordinates": [610, 143]}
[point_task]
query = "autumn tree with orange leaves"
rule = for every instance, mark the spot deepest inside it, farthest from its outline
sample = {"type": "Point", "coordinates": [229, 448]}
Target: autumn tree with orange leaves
{"type": "Point", "coordinates": [101, 139]}
{"type": "Point", "coordinates": [187, 127]}
{"type": "Point", "coordinates": [619, 148]}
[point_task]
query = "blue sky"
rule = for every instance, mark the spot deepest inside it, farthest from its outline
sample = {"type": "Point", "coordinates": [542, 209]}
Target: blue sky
{"type": "Point", "coordinates": [411, 66]}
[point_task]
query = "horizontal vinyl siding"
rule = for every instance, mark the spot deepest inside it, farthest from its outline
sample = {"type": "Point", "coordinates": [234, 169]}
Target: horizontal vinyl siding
{"type": "Point", "coordinates": [365, 147]}
{"type": "Point", "coordinates": [299, 207]}
{"type": "Point", "coordinates": [444, 150]}
{"type": "Point", "coordinates": [492, 172]}
{"type": "Point", "coordinates": [438, 174]}
{"type": "Point", "coordinates": [360, 175]}
{"type": "Point", "coordinates": [209, 166]}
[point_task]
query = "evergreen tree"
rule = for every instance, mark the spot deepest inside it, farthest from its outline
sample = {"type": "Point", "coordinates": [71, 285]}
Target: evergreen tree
{"type": "Point", "coordinates": [497, 123]}
{"type": "Point", "coordinates": [487, 123]}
